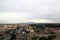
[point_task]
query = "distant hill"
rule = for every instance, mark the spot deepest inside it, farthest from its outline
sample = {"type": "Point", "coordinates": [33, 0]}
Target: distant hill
{"type": "Point", "coordinates": [28, 23]}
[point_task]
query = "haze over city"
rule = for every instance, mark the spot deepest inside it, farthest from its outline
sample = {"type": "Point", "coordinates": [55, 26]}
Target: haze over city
{"type": "Point", "coordinates": [16, 11]}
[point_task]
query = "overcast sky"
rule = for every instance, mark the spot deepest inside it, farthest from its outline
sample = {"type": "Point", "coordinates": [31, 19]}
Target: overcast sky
{"type": "Point", "coordinates": [13, 11]}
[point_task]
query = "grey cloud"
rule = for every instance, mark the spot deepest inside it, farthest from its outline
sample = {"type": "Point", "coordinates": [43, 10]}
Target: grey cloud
{"type": "Point", "coordinates": [34, 9]}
